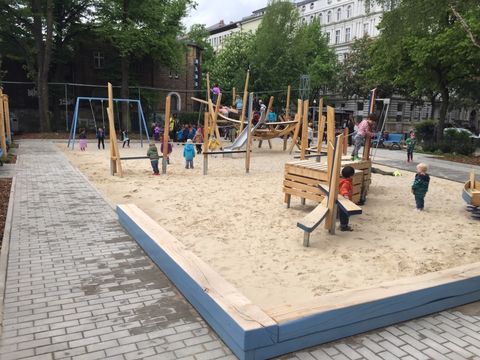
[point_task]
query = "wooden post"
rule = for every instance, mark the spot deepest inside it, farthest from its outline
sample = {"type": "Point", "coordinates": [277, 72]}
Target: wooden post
{"type": "Point", "coordinates": [304, 130]}
{"type": "Point", "coordinates": [366, 148]}
{"type": "Point", "coordinates": [249, 133]}
{"type": "Point", "coordinates": [208, 87]}
{"type": "Point", "coordinates": [234, 95]}
{"type": "Point", "coordinates": [345, 141]}
{"type": "Point", "coordinates": [333, 186]}
{"type": "Point", "coordinates": [472, 179]}
{"type": "Point", "coordinates": [215, 117]}
{"type": "Point", "coordinates": [320, 127]}
{"type": "Point", "coordinates": [3, 143]}
{"type": "Point", "coordinates": [321, 130]}
{"type": "Point", "coordinates": [245, 94]}
{"type": "Point", "coordinates": [206, 131]}
{"type": "Point", "coordinates": [165, 135]}
{"type": "Point", "coordinates": [115, 162]}
{"type": "Point", "coordinates": [330, 138]}
{"type": "Point", "coordinates": [298, 118]}
{"type": "Point", "coordinates": [287, 107]}
{"type": "Point", "coordinates": [6, 109]}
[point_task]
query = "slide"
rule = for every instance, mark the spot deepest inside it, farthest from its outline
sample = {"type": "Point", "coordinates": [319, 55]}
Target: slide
{"type": "Point", "coordinates": [242, 138]}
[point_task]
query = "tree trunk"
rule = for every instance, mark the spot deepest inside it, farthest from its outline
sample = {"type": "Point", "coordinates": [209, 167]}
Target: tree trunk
{"type": "Point", "coordinates": [44, 51]}
{"type": "Point", "coordinates": [432, 112]}
{"type": "Point", "coordinates": [443, 112]}
{"type": "Point", "coordinates": [124, 91]}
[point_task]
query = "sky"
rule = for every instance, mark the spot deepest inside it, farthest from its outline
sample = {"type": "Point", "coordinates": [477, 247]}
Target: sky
{"type": "Point", "coordinates": [210, 12]}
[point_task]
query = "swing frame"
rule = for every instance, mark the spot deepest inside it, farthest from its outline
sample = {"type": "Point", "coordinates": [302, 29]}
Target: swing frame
{"type": "Point", "coordinates": [73, 127]}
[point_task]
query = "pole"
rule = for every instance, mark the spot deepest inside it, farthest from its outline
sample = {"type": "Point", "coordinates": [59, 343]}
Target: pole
{"type": "Point", "coordinates": [66, 107]}
{"type": "Point", "coordinates": [3, 143]}
{"type": "Point", "coordinates": [165, 135]}
{"type": "Point", "coordinates": [287, 107]}
{"type": "Point", "coordinates": [206, 131]}
{"type": "Point", "coordinates": [244, 104]}
{"type": "Point", "coordinates": [304, 130]}
{"type": "Point", "coordinates": [249, 134]}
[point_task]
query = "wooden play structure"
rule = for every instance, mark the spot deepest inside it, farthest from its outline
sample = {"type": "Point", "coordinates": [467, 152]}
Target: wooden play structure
{"type": "Point", "coordinates": [263, 131]}
{"type": "Point", "coordinates": [303, 177]}
{"type": "Point", "coordinates": [115, 161]}
{"type": "Point", "coordinates": [327, 209]}
{"type": "Point", "coordinates": [471, 195]}
{"type": "Point", "coordinates": [5, 132]}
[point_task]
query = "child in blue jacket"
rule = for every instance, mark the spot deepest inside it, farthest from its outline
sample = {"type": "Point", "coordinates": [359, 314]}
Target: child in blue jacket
{"type": "Point", "coordinates": [189, 154]}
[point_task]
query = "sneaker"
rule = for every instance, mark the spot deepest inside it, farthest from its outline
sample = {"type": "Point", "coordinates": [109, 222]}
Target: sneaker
{"type": "Point", "coordinates": [156, 174]}
{"type": "Point", "coordinates": [345, 228]}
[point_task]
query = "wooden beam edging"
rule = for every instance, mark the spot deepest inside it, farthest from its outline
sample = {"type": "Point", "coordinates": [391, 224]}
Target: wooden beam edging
{"type": "Point", "coordinates": [240, 323]}
{"type": "Point", "coordinates": [254, 334]}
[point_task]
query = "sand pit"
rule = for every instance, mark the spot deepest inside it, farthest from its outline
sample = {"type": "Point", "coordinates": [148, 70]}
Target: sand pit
{"type": "Point", "coordinates": [238, 224]}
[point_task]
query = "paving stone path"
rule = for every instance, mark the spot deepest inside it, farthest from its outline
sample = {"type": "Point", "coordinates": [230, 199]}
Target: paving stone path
{"type": "Point", "coordinates": [79, 287]}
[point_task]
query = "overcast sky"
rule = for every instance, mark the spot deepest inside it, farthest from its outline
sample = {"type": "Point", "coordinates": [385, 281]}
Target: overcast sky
{"type": "Point", "coordinates": [210, 12]}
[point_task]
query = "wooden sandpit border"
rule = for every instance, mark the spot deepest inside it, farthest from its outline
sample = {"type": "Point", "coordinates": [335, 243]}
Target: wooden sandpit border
{"type": "Point", "coordinates": [256, 334]}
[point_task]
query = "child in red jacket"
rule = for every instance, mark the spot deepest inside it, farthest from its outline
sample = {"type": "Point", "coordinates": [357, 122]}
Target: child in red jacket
{"type": "Point", "coordinates": [346, 190]}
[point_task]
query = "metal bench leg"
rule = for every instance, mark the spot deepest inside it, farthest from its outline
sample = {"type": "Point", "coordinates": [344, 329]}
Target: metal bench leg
{"type": "Point", "coordinates": [303, 201]}
{"type": "Point", "coordinates": [306, 239]}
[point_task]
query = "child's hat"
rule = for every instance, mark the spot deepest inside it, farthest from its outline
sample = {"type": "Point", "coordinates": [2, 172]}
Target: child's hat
{"type": "Point", "coordinates": [189, 141]}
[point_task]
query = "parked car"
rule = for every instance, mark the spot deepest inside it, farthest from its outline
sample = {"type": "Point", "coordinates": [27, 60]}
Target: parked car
{"type": "Point", "coordinates": [472, 135]}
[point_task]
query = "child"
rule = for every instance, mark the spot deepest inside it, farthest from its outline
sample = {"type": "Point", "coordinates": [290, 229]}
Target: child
{"type": "Point", "coordinates": [101, 138]}
{"type": "Point", "coordinates": [189, 154]}
{"type": "Point", "coordinates": [125, 138]}
{"type": "Point", "coordinates": [169, 150]}
{"type": "Point", "coordinates": [215, 93]}
{"type": "Point", "coordinates": [346, 190]}
{"type": "Point", "coordinates": [420, 185]}
{"type": "Point", "coordinates": [83, 140]}
{"type": "Point", "coordinates": [198, 140]}
{"type": "Point", "coordinates": [411, 142]}
{"type": "Point", "coordinates": [310, 134]}
{"type": "Point", "coordinates": [238, 103]}
{"type": "Point", "coordinates": [364, 128]}
{"type": "Point", "coordinates": [156, 133]}
{"type": "Point", "coordinates": [152, 153]}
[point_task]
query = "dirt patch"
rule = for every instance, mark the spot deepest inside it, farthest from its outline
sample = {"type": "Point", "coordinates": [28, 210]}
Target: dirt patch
{"type": "Point", "coordinates": [472, 160]}
{"type": "Point", "coordinates": [5, 185]}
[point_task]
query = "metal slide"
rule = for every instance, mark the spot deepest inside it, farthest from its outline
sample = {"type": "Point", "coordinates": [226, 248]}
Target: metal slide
{"type": "Point", "coordinates": [242, 138]}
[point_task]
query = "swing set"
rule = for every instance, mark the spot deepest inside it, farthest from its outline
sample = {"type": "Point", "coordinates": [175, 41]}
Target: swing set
{"type": "Point", "coordinates": [141, 117]}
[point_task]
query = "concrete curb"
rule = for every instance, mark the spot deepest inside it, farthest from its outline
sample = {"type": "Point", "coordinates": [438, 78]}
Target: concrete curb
{"type": "Point", "coordinates": [5, 250]}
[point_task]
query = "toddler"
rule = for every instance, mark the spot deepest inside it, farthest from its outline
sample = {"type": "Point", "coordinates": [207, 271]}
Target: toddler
{"type": "Point", "coordinates": [189, 154]}
{"type": "Point", "coordinates": [152, 153]}
{"type": "Point", "coordinates": [411, 142]}
{"type": "Point", "coordinates": [346, 190]}
{"type": "Point", "coordinates": [420, 186]}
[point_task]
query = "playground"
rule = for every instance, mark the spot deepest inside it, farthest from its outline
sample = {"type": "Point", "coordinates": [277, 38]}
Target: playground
{"type": "Point", "coordinates": [240, 226]}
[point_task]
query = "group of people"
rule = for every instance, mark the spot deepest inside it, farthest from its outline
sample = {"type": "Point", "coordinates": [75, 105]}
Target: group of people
{"type": "Point", "coordinates": [100, 136]}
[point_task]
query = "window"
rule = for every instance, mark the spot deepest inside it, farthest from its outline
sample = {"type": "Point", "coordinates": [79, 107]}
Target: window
{"type": "Point", "coordinates": [327, 35]}
{"type": "Point", "coordinates": [312, 5]}
{"type": "Point", "coordinates": [173, 74]}
{"type": "Point", "coordinates": [303, 8]}
{"type": "Point", "coordinates": [359, 106]}
{"type": "Point", "coordinates": [337, 36]}
{"type": "Point", "coordinates": [399, 107]}
{"type": "Point", "coordinates": [303, 20]}
{"type": "Point", "coordinates": [347, 34]}
{"type": "Point", "coordinates": [329, 16]}
{"type": "Point", "coordinates": [339, 14]}
{"type": "Point", "coordinates": [320, 18]}
{"type": "Point", "coordinates": [365, 29]}
{"type": "Point", "coordinates": [98, 60]}
{"type": "Point", "coordinates": [312, 17]}
{"type": "Point", "coordinates": [329, 1]}
{"type": "Point", "coordinates": [349, 11]}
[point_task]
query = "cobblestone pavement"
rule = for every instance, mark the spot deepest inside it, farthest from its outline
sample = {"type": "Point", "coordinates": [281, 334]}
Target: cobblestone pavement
{"type": "Point", "coordinates": [78, 287]}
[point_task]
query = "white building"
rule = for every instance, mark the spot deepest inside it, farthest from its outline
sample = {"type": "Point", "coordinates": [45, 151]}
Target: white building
{"type": "Point", "coordinates": [219, 32]}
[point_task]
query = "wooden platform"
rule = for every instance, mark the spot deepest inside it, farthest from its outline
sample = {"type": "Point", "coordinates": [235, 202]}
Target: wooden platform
{"type": "Point", "coordinates": [302, 178]}
{"type": "Point", "coordinates": [253, 333]}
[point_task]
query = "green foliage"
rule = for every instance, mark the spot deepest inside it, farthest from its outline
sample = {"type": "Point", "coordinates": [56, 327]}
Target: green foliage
{"type": "Point", "coordinates": [143, 27]}
{"type": "Point", "coordinates": [230, 66]}
{"type": "Point", "coordinates": [425, 130]}
{"type": "Point", "coordinates": [458, 142]}
{"type": "Point", "coordinates": [423, 49]}
{"type": "Point", "coordinates": [354, 77]}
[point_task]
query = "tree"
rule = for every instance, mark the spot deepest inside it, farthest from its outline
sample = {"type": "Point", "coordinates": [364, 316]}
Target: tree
{"type": "Point", "coordinates": [142, 27]}
{"type": "Point", "coordinates": [38, 33]}
{"type": "Point", "coordinates": [232, 62]}
{"type": "Point", "coordinates": [423, 47]}
{"type": "Point", "coordinates": [273, 67]}
{"type": "Point", "coordinates": [354, 78]}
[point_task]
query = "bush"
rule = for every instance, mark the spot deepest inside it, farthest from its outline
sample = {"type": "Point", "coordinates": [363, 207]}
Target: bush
{"type": "Point", "coordinates": [458, 142]}
{"type": "Point", "coordinates": [425, 131]}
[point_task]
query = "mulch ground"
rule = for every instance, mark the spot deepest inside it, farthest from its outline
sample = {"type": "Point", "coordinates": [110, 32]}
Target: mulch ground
{"type": "Point", "coordinates": [5, 185]}
{"type": "Point", "coordinates": [472, 160]}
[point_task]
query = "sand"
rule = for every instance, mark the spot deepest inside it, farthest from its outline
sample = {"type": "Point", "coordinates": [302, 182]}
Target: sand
{"type": "Point", "coordinates": [239, 224]}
